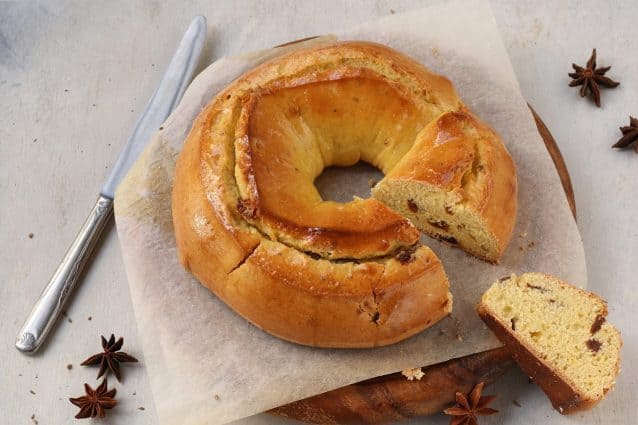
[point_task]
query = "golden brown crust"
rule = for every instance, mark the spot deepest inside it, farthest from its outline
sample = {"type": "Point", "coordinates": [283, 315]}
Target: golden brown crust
{"type": "Point", "coordinates": [344, 305]}
{"type": "Point", "coordinates": [206, 246]}
{"type": "Point", "coordinates": [286, 205]}
{"type": "Point", "coordinates": [251, 227]}
{"type": "Point", "coordinates": [295, 296]}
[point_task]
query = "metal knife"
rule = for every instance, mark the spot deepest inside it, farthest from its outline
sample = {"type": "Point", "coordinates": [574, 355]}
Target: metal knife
{"type": "Point", "coordinates": [171, 88]}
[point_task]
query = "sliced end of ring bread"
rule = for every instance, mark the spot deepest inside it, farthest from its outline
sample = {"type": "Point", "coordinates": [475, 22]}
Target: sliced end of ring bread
{"type": "Point", "coordinates": [558, 335]}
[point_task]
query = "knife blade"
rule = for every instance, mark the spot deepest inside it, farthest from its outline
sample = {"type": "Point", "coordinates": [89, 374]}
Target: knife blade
{"type": "Point", "coordinates": [170, 90]}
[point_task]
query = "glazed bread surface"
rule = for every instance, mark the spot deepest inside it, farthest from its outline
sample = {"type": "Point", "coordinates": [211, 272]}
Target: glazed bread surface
{"type": "Point", "coordinates": [252, 227]}
{"type": "Point", "coordinates": [559, 336]}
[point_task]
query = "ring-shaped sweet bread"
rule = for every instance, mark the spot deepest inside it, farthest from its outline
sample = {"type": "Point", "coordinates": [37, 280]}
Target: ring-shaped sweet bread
{"type": "Point", "coordinates": [252, 227]}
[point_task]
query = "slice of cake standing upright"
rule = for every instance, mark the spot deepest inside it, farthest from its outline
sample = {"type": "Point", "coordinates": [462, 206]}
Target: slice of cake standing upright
{"type": "Point", "coordinates": [557, 333]}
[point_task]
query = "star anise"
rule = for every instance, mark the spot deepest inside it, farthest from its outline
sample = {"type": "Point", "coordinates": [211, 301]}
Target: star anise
{"type": "Point", "coordinates": [110, 359]}
{"type": "Point", "coordinates": [630, 135]}
{"type": "Point", "coordinates": [590, 78]}
{"type": "Point", "coordinates": [95, 402]}
{"type": "Point", "coordinates": [466, 411]}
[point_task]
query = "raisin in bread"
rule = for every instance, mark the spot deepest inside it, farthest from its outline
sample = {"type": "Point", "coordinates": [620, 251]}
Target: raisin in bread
{"type": "Point", "coordinates": [557, 333]}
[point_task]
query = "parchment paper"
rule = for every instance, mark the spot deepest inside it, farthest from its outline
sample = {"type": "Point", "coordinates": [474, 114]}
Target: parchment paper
{"type": "Point", "coordinates": [208, 365]}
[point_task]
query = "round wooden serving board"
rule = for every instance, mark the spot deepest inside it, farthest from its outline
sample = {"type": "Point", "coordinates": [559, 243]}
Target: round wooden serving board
{"type": "Point", "coordinates": [392, 397]}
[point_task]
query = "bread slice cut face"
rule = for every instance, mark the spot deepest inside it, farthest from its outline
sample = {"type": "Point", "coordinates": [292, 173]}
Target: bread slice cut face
{"type": "Point", "coordinates": [559, 336]}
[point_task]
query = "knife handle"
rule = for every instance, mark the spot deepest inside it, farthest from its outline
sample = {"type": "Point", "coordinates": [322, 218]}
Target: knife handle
{"type": "Point", "coordinates": [52, 299]}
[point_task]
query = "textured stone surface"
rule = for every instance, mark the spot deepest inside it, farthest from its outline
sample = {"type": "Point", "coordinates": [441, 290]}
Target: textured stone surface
{"type": "Point", "coordinates": [75, 76]}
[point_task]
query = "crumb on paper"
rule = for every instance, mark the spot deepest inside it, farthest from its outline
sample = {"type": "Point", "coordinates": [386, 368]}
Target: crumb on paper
{"type": "Point", "coordinates": [134, 393]}
{"type": "Point", "coordinates": [31, 234]}
{"type": "Point", "coordinates": [216, 397]}
{"type": "Point", "coordinates": [69, 366]}
{"type": "Point", "coordinates": [457, 328]}
{"type": "Point", "coordinates": [90, 318]}
{"type": "Point", "coordinates": [392, 12]}
{"type": "Point", "coordinates": [435, 52]}
{"type": "Point", "coordinates": [32, 392]}
{"type": "Point", "coordinates": [516, 403]}
{"type": "Point", "coordinates": [529, 246]}
{"type": "Point", "coordinates": [412, 374]}
{"type": "Point", "coordinates": [69, 320]}
{"type": "Point", "coordinates": [523, 235]}
{"type": "Point", "coordinates": [141, 408]}
{"type": "Point", "coordinates": [35, 421]}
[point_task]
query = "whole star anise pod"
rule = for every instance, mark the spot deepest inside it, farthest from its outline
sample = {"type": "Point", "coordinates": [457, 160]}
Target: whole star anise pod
{"type": "Point", "coordinates": [630, 135]}
{"type": "Point", "coordinates": [95, 402]}
{"type": "Point", "coordinates": [467, 412]}
{"type": "Point", "coordinates": [110, 359]}
{"type": "Point", "coordinates": [590, 78]}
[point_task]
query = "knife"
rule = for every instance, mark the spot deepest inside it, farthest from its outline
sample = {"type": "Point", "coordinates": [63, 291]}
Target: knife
{"type": "Point", "coordinates": [171, 88]}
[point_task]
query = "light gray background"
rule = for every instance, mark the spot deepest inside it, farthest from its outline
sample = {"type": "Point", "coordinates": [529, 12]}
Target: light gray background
{"type": "Point", "coordinates": [75, 76]}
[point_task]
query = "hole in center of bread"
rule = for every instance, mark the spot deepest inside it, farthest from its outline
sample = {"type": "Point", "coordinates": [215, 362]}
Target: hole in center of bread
{"type": "Point", "coordinates": [342, 184]}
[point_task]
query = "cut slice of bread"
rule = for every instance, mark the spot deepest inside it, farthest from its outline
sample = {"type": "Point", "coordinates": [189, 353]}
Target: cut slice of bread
{"type": "Point", "coordinates": [458, 184]}
{"type": "Point", "coordinates": [558, 335]}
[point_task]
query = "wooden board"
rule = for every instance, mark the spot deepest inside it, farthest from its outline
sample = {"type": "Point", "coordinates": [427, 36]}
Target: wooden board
{"type": "Point", "coordinates": [557, 157]}
{"type": "Point", "coordinates": [392, 397]}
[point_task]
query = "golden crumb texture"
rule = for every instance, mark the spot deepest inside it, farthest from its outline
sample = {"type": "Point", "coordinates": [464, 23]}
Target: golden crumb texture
{"type": "Point", "coordinates": [558, 334]}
